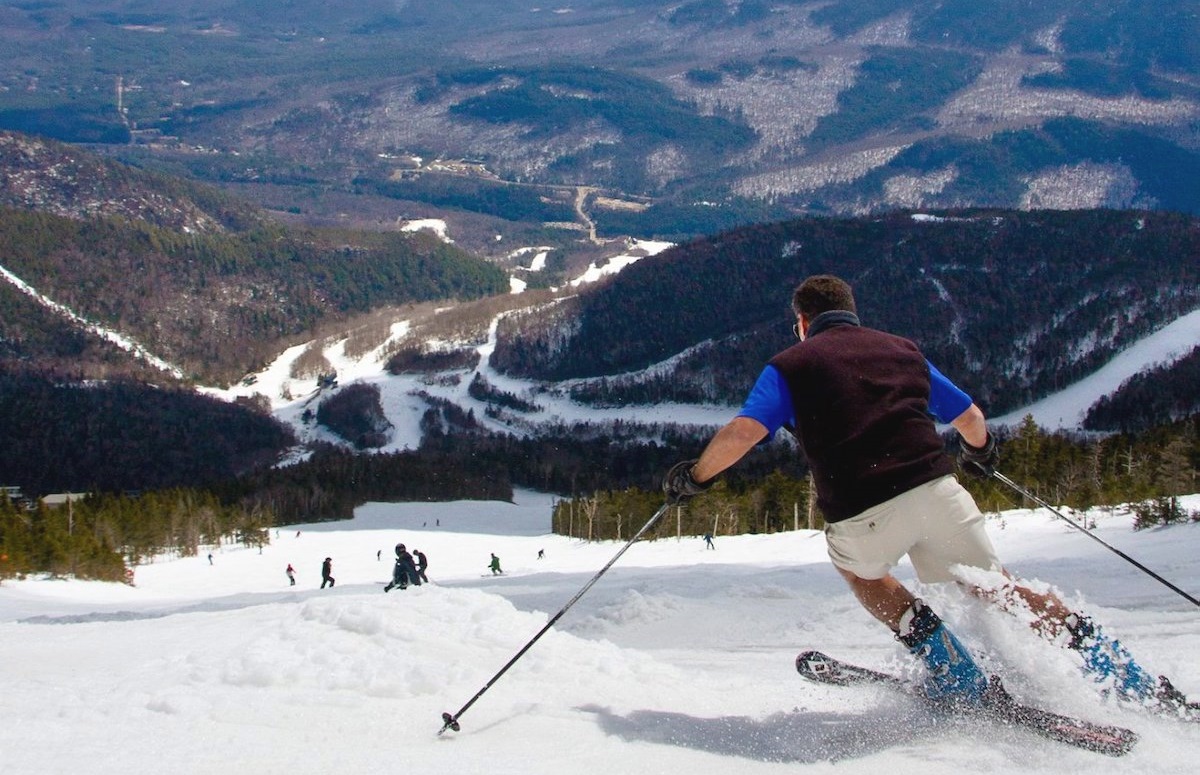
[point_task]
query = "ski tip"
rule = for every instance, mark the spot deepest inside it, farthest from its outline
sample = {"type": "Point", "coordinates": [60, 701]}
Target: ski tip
{"type": "Point", "coordinates": [811, 664]}
{"type": "Point", "coordinates": [805, 657]}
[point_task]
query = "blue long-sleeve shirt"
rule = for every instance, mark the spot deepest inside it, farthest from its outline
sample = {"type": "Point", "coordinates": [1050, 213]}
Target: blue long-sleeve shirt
{"type": "Point", "coordinates": [770, 402]}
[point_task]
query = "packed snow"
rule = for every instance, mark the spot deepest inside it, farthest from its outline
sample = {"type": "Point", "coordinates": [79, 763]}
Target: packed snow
{"type": "Point", "coordinates": [435, 225]}
{"type": "Point", "coordinates": [679, 659]}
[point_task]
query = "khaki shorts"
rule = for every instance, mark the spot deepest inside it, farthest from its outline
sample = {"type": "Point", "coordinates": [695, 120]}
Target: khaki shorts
{"type": "Point", "coordinates": [937, 524]}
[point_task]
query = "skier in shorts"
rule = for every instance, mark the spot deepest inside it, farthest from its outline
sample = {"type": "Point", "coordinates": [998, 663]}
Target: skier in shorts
{"type": "Point", "coordinates": [860, 402]}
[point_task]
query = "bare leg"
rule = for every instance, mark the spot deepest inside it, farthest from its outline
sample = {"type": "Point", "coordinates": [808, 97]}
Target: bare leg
{"type": "Point", "coordinates": [886, 599]}
{"type": "Point", "coordinates": [1050, 613]}
{"type": "Point", "coordinates": [953, 673]}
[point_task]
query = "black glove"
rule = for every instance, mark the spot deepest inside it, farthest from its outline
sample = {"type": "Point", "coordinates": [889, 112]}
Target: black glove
{"type": "Point", "coordinates": [979, 461]}
{"type": "Point", "coordinates": [679, 484]}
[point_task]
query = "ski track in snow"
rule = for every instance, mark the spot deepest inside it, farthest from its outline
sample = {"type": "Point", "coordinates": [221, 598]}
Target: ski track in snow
{"type": "Point", "coordinates": [124, 342]}
{"type": "Point", "coordinates": [678, 660]}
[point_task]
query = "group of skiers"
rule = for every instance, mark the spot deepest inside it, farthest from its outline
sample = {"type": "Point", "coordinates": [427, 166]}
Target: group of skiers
{"type": "Point", "coordinates": [409, 569]}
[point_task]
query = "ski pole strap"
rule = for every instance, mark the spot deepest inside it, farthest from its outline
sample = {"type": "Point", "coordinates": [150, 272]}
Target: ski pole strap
{"type": "Point", "coordinates": [1022, 491]}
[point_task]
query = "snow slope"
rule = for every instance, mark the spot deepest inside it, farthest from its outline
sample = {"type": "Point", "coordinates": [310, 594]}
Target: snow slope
{"type": "Point", "coordinates": [678, 660]}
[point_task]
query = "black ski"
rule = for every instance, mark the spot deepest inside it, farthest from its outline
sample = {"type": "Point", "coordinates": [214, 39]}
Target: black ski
{"type": "Point", "coordinates": [999, 705]}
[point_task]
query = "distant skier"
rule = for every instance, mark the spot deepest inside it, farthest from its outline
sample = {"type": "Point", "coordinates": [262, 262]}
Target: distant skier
{"type": "Point", "coordinates": [708, 544]}
{"type": "Point", "coordinates": [378, 554]}
{"type": "Point", "coordinates": [210, 562]}
{"type": "Point", "coordinates": [291, 574]}
{"type": "Point", "coordinates": [541, 554]}
{"type": "Point", "coordinates": [495, 565]}
{"type": "Point", "coordinates": [422, 564]}
{"type": "Point", "coordinates": [327, 573]}
{"type": "Point", "coordinates": [404, 572]}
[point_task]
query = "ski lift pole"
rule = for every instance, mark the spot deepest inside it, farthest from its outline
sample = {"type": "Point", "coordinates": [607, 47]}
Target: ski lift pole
{"type": "Point", "coordinates": [450, 721]}
{"type": "Point", "coordinates": [1021, 490]}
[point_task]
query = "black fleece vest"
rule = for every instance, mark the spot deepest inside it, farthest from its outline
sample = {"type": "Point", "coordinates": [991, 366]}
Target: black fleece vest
{"type": "Point", "coordinates": [861, 401]}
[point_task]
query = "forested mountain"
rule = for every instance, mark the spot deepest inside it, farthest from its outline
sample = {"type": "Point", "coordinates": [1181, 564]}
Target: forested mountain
{"type": "Point", "coordinates": [103, 263]}
{"type": "Point", "coordinates": [1147, 399]}
{"type": "Point", "coordinates": [713, 112]}
{"type": "Point", "coordinates": [771, 139]}
{"type": "Point", "coordinates": [217, 305]}
{"type": "Point", "coordinates": [200, 279]}
{"type": "Point", "coordinates": [65, 180]}
{"type": "Point", "coordinates": [69, 435]}
{"type": "Point", "coordinates": [1012, 304]}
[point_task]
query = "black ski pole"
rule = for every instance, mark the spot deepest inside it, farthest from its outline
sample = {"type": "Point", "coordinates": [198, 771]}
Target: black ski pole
{"type": "Point", "coordinates": [1021, 490]}
{"type": "Point", "coordinates": [450, 721]}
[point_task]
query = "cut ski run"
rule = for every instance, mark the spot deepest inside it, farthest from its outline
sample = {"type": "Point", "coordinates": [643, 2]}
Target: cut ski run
{"type": "Point", "coordinates": [1000, 706]}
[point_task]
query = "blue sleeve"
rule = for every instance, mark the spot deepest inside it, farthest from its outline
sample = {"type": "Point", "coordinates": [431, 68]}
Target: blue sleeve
{"type": "Point", "coordinates": [946, 400]}
{"type": "Point", "coordinates": [769, 402]}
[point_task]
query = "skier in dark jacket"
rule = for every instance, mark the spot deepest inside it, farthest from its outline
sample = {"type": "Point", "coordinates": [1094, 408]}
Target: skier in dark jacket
{"type": "Point", "coordinates": [862, 404]}
{"type": "Point", "coordinates": [404, 572]}
{"type": "Point", "coordinates": [327, 573]}
{"type": "Point", "coordinates": [422, 564]}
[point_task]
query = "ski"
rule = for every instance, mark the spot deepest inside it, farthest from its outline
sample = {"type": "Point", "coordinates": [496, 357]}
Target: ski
{"type": "Point", "coordinates": [999, 705]}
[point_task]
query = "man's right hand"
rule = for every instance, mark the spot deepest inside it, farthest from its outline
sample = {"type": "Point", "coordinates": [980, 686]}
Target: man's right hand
{"type": "Point", "coordinates": [679, 484]}
{"type": "Point", "coordinates": [979, 461]}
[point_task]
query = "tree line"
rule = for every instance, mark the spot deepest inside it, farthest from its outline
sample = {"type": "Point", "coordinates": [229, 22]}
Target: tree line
{"type": "Point", "coordinates": [106, 535]}
{"type": "Point", "coordinates": [1075, 471]}
{"type": "Point", "coordinates": [609, 479]}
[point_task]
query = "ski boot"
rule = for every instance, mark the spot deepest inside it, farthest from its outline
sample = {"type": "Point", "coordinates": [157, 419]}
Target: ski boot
{"type": "Point", "coordinates": [953, 675]}
{"type": "Point", "coordinates": [1108, 662]}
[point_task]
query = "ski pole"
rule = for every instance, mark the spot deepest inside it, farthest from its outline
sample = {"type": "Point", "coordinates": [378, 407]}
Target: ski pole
{"type": "Point", "coordinates": [1021, 490]}
{"type": "Point", "coordinates": [450, 721]}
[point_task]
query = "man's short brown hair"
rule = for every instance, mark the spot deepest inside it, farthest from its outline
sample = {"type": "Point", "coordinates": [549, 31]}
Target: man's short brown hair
{"type": "Point", "coordinates": [822, 293]}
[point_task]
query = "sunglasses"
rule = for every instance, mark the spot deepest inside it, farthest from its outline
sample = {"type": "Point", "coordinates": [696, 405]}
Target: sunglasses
{"type": "Point", "coordinates": [796, 329]}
